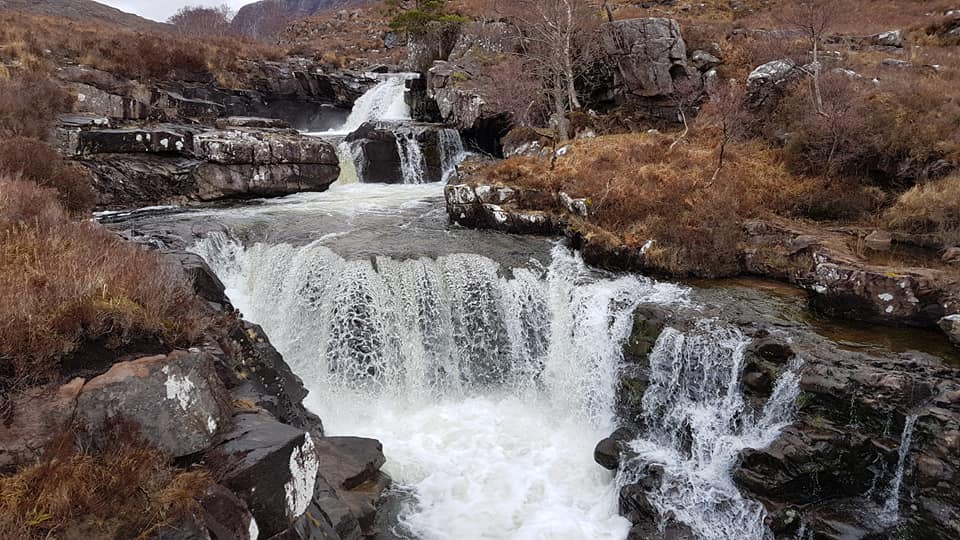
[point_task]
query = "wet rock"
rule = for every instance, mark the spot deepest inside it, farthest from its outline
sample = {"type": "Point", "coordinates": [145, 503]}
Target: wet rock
{"type": "Point", "coordinates": [130, 180]}
{"type": "Point", "coordinates": [271, 466]}
{"type": "Point", "coordinates": [33, 419]}
{"type": "Point", "coordinates": [198, 273]}
{"type": "Point", "coordinates": [378, 149]}
{"type": "Point", "coordinates": [251, 122]}
{"type": "Point", "coordinates": [649, 54]}
{"type": "Point", "coordinates": [608, 451]}
{"type": "Point", "coordinates": [349, 462]}
{"type": "Point", "coordinates": [176, 402]}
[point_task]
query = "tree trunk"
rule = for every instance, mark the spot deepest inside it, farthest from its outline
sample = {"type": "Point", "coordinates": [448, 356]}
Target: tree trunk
{"type": "Point", "coordinates": [818, 97]}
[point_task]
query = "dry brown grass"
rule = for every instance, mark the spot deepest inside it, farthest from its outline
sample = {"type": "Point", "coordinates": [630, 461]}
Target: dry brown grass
{"type": "Point", "coordinates": [126, 490]}
{"type": "Point", "coordinates": [29, 103]}
{"type": "Point", "coordinates": [33, 42]}
{"type": "Point", "coordinates": [64, 284]}
{"type": "Point", "coordinates": [34, 161]}
{"type": "Point", "coordinates": [931, 208]}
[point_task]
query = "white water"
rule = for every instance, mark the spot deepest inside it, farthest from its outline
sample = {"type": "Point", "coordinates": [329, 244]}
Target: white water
{"type": "Point", "coordinates": [697, 424]}
{"type": "Point", "coordinates": [452, 152]}
{"type": "Point", "coordinates": [488, 392]}
{"type": "Point", "coordinates": [385, 101]}
{"type": "Point", "coordinates": [890, 514]}
{"type": "Point", "coordinates": [412, 164]}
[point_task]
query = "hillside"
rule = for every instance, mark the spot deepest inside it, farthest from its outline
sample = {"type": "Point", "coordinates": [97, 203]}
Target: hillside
{"type": "Point", "coordinates": [255, 19]}
{"type": "Point", "coordinates": [83, 10]}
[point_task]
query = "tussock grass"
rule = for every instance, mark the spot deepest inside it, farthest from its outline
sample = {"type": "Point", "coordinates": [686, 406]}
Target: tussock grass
{"type": "Point", "coordinates": [930, 208]}
{"type": "Point", "coordinates": [64, 284]}
{"type": "Point", "coordinates": [125, 490]}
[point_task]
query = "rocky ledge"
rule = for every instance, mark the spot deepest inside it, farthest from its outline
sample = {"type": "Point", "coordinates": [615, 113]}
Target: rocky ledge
{"type": "Point", "coordinates": [873, 434]}
{"type": "Point", "coordinates": [176, 163]}
{"type": "Point", "coordinates": [821, 262]}
{"type": "Point", "coordinates": [231, 406]}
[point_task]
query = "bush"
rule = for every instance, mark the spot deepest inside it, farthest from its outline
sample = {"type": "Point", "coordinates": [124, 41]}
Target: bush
{"type": "Point", "coordinates": [34, 161]}
{"type": "Point", "coordinates": [29, 103]}
{"type": "Point", "coordinates": [67, 284]}
{"type": "Point", "coordinates": [931, 208]}
{"type": "Point", "coordinates": [127, 490]}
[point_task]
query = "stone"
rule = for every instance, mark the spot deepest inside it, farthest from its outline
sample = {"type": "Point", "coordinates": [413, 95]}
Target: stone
{"type": "Point", "coordinates": [649, 55]}
{"type": "Point", "coordinates": [766, 80]}
{"type": "Point", "coordinates": [35, 418]}
{"type": "Point", "coordinates": [890, 38]}
{"type": "Point", "coordinates": [199, 274]}
{"type": "Point", "coordinates": [895, 62]}
{"type": "Point", "coordinates": [176, 106]}
{"type": "Point", "coordinates": [348, 462]}
{"type": "Point", "coordinates": [271, 466]}
{"type": "Point", "coordinates": [879, 241]}
{"type": "Point", "coordinates": [90, 99]}
{"type": "Point", "coordinates": [226, 516]}
{"type": "Point", "coordinates": [159, 140]}
{"type": "Point", "coordinates": [251, 122]}
{"type": "Point", "coordinates": [377, 149]}
{"type": "Point", "coordinates": [608, 451]}
{"type": "Point", "coordinates": [704, 61]}
{"type": "Point", "coordinates": [951, 326]}
{"type": "Point", "coordinates": [176, 402]}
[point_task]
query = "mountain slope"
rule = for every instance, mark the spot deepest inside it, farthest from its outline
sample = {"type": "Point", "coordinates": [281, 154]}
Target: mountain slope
{"type": "Point", "coordinates": [258, 19]}
{"type": "Point", "coordinates": [83, 10]}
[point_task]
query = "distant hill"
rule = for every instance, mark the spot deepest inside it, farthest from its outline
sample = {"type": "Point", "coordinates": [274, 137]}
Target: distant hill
{"type": "Point", "coordinates": [259, 19]}
{"type": "Point", "coordinates": [84, 10]}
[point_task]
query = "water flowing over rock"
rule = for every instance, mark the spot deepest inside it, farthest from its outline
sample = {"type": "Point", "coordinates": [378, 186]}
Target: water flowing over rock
{"type": "Point", "coordinates": [695, 423]}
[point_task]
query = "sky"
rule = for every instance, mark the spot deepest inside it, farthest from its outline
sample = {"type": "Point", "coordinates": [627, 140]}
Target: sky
{"type": "Point", "coordinates": [161, 10]}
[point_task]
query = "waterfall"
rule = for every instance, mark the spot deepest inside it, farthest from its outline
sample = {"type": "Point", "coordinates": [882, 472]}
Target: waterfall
{"type": "Point", "coordinates": [696, 425]}
{"type": "Point", "coordinates": [385, 101]}
{"type": "Point", "coordinates": [890, 514]}
{"type": "Point", "coordinates": [411, 157]}
{"type": "Point", "coordinates": [488, 386]}
{"type": "Point", "coordinates": [350, 166]}
{"type": "Point", "coordinates": [451, 152]}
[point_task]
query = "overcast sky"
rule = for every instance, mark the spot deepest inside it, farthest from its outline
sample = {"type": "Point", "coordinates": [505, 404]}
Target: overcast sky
{"type": "Point", "coordinates": [161, 10]}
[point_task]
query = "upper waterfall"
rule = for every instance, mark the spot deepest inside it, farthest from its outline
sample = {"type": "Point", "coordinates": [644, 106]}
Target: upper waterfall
{"type": "Point", "coordinates": [385, 101]}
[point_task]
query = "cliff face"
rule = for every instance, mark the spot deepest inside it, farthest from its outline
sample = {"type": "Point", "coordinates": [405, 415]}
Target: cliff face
{"type": "Point", "coordinates": [254, 19]}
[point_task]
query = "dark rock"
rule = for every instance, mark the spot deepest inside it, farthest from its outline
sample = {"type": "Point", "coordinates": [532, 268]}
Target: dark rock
{"type": "Point", "coordinates": [226, 516]}
{"type": "Point", "coordinates": [271, 466]}
{"type": "Point", "coordinates": [35, 418]}
{"type": "Point", "coordinates": [348, 462]}
{"type": "Point", "coordinates": [378, 148]}
{"type": "Point", "coordinates": [608, 451]}
{"type": "Point", "coordinates": [251, 122]}
{"type": "Point", "coordinates": [176, 402]}
{"type": "Point", "coordinates": [204, 281]}
{"type": "Point", "coordinates": [175, 106]}
{"type": "Point", "coordinates": [129, 180]}
{"type": "Point", "coordinates": [159, 140]}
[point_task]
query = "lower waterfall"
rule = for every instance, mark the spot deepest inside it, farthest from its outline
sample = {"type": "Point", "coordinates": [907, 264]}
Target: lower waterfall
{"type": "Point", "coordinates": [489, 387]}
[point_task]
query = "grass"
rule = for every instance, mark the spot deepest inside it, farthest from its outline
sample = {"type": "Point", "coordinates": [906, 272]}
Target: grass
{"type": "Point", "coordinates": [122, 490]}
{"type": "Point", "coordinates": [930, 208]}
{"type": "Point", "coordinates": [34, 161]}
{"type": "Point", "coordinates": [65, 284]}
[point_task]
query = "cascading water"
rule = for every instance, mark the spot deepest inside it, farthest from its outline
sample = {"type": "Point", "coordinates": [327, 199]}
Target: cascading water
{"type": "Point", "coordinates": [489, 388]}
{"type": "Point", "coordinates": [452, 152]}
{"type": "Point", "coordinates": [890, 513]}
{"type": "Point", "coordinates": [696, 425]}
{"type": "Point", "coordinates": [385, 101]}
{"type": "Point", "coordinates": [411, 157]}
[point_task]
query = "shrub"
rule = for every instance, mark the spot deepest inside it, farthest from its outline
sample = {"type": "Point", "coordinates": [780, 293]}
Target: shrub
{"type": "Point", "coordinates": [29, 103]}
{"type": "Point", "coordinates": [67, 284]}
{"type": "Point", "coordinates": [32, 160]}
{"type": "Point", "coordinates": [931, 208]}
{"type": "Point", "coordinates": [125, 491]}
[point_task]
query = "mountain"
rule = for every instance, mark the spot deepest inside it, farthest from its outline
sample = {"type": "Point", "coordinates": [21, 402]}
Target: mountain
{"type": "Point", "coordinates": [84, 10]}
{"type": "Point", "coordinates": [261, 19]}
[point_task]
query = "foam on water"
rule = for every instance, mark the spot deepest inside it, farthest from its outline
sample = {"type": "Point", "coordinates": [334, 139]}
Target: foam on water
{"type": "Point", "coordinates": [489, 387]}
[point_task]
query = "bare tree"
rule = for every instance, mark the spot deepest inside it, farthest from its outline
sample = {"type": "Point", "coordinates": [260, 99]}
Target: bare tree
{"type": "Point", "coordinates": [204, 21]}
{"type": "Point", "coordinates": [557, 37]}
{"type": "Point", "coordinates": [813, 18]}
{"type": "Point", "coordinates": [511, 85]}
{"type": "Point", "coordinates": [728, 112]}
{"type": "Point", "coordinates": [687, 94]}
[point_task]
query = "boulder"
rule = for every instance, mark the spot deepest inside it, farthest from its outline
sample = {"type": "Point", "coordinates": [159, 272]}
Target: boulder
{"type": "Point", "coordinates": [879, 241]}
{"type": "Point", "coordinates": [158, 140]}
{"type": "Point", "coordinates": [649, 55]}
{"type": "Point", "coordinates": [244, 146]}
{"type": "Point", "coordinates": [608, 451]}
{"type": "Point", "coordinates": [378, 148]}
{"type": "Point", "coordinates": [271, 466]}
{"type": "Point", "coordinates": [226, 516]}
{"type": "Point", "coordinates": [176, 402]}
{"type": "Point", "coordinates": [951, 326]}
{"type": "Point", "coordinates": [251, 122]}
{"type": "Point", "coordinates": [704, 61]}
{"type": "Point", "coordinates": [90, 99]}
{"type": "Point", "coordinates": [349, 462]}
{"type": "Point", "coordinates": [126, 180]}
{"type": "Point", "coordinates": [34, 419]}
{"type": "Point", "coordinates": [459, 108]}
{"type": "Point", "coordinates": [767, 80]}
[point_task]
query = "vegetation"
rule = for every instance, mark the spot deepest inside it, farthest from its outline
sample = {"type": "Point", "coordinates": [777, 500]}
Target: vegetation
{"type": "Point", "coordinates": [930, 208]}
{"type": "Point", "coordinates": [118, 489]}
{"type": "Point", "coordinates": [418, 17]}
